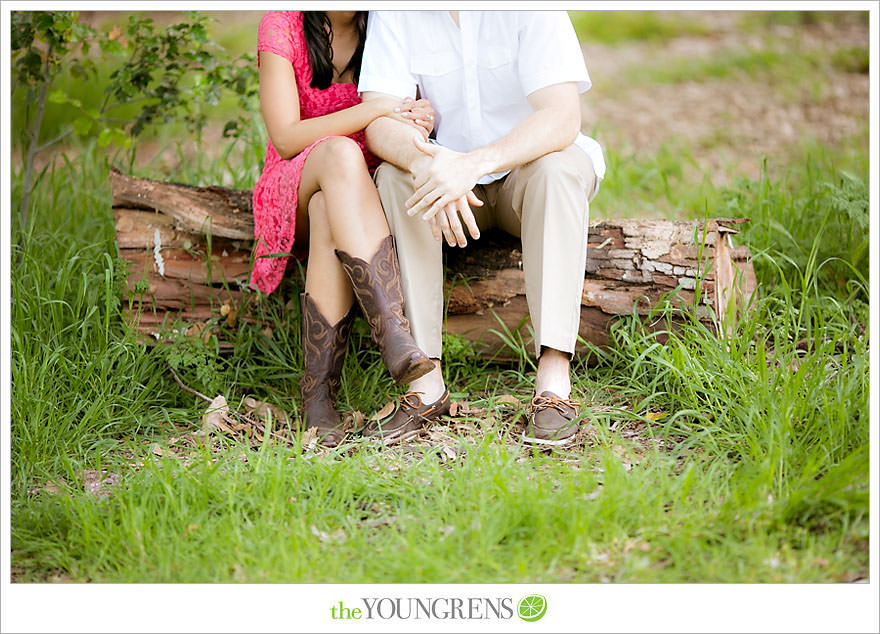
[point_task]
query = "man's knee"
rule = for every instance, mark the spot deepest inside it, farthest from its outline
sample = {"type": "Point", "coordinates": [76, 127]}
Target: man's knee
{"type": "Point", "coordinates": [557, 167]}
{"type": "Point", "coordinates": [389, 176]}
{"type": "Point", "coordinates": [394, 186]}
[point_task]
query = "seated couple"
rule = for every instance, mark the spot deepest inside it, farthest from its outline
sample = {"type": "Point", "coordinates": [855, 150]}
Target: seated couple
{"type": "Point", "coordinates": [424, 126]}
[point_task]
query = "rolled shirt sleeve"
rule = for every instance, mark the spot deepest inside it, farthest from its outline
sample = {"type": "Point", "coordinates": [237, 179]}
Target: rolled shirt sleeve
{"type": "Point", "coordinates": [385, 66]}
{"type": "Point", "coordinates": [549, 52]}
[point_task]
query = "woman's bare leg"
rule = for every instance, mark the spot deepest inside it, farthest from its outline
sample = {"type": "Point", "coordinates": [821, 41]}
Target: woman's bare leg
{"type": "Point", "coordinates": [364, 248]}
{"type": "Point", "coordinates": [354, 213]}
{"type": "Point", "coordinates": [326, 282]}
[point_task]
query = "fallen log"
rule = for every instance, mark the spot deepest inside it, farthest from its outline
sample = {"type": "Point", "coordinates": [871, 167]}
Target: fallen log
{"type": "Point", "coordinates": [189, 252]}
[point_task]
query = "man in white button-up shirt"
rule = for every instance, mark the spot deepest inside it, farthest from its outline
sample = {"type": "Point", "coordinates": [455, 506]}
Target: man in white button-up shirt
{"type": "Point", "coordinates": [508, 153]}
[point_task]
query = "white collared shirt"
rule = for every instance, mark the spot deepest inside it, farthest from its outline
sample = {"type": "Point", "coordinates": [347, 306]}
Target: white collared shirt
{"type": "Point", "coordinates": [477, 75]}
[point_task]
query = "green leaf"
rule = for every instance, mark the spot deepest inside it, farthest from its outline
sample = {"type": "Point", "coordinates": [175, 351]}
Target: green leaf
{"type": "Point", "coordinates": [58, 96]}
{"type": "Point", "coordinates": [119, 137]}
{"type": "Point", "coordinates": [199, 33]}
{"type": "Point", "coordinates": [82, 126]}
{"type": "Point", "coordinates": [105, 137]}
{"type": "Point", "coordinates": [113, 47]}
{"type": "Point", "coordinates": [22, 32]}
{"type": "Point", "coordinates": [78, 71]}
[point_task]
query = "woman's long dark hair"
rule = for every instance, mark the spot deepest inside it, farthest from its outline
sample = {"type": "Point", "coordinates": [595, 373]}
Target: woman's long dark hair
{"type": "Point", "coordinates": [316, 26]}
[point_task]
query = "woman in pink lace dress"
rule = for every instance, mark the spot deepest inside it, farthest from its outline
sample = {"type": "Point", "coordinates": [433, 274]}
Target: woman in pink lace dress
{"type": "Point", "coordinates": [316, 192]}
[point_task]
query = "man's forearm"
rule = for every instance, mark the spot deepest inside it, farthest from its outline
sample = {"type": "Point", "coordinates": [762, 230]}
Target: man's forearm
{"type": "Point", "coordinates": [544, 131]}
{"type": "Point", "coordinates": [392, 141]}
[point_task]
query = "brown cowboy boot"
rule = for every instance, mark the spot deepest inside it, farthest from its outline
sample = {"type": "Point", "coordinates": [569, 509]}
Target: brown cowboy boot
{"type": "Point", "coordinates": [377, 288]}
{"type": "Point", "coordinates": [324, 348]}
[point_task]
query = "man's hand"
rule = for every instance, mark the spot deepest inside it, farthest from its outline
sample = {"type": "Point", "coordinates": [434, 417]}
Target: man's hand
{"type": "Point", "coordinates": [449, 177]}
{"type": "Point", "coordinates": [445, 221]}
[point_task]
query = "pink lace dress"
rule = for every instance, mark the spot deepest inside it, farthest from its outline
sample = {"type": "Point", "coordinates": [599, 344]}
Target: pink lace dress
{"type": "Point", "coordinates": [275, 194]}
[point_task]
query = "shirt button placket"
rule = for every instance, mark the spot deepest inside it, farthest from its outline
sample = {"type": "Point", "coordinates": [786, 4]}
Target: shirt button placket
{"type": "Point", "coordinates": [471, 75]}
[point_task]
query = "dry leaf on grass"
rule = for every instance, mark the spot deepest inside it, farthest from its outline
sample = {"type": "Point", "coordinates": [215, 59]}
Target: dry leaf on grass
{"type": "Point", "coordinates": [353, 421]}
{"type": "Point", "coordinates": [200, 330]}
{"type": "Point", "coordinates": [508, 399]}
{"type": "Point", "coordinates": [230, 313]}
{"type": "Point", "coordinates": [337, 536]}
{"type": "Point", "coordinates": [386, 410]}
{"type": "Point", "coordinates": [53, 488]}
{"type": "Point", "coordinates": [232, 318]}
{"type": "Point", "coordinates": [213, 418]}
{"type": "Point", "coordinates": [266, 410]}
{"type": "Point", "coordinates": [448, 453]}
{"type": "Point", "coordinates": [98, 482]}
{"type": "Point", "coordinates": [247, 428]}
{"type": "Point", "coordinates": [309, 438]}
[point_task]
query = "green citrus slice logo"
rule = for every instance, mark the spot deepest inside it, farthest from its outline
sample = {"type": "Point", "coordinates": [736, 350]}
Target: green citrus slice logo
{"type": "Point", "coordinates": [532, 608]}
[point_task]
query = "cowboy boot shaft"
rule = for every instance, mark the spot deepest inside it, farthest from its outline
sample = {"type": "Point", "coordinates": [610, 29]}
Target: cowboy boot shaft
{"type": "Point", "coordinates": [377, 287]}
{"type": "Point", "coordinates": [324, 348]}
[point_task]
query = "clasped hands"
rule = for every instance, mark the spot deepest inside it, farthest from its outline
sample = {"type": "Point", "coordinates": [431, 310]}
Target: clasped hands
{"type": "Point", "coordinates": [416, 112]}
{"type": "Point", "coordinates": [444, 181]}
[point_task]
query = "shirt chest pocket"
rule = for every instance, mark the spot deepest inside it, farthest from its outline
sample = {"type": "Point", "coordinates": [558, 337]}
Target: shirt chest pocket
{"type": "Point", "coordinates": [499, 78]}
{"type": "Point", "coordinates": [439, 78]}
{"type": "Point", "coordinates": [495, 58]}
{"type": "Point", "coordinates": [434, 65]}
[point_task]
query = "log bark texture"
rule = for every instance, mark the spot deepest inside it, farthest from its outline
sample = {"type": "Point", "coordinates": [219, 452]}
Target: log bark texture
{"type": "Point", "coordinates": [189, 253]}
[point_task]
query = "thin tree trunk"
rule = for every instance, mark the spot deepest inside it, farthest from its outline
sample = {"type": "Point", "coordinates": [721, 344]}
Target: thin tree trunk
{"type": "Point", "coordinates": [33, 148]}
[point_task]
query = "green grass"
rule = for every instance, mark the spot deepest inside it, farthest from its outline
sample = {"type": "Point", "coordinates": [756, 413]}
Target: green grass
{"type": "Point", "coordinates": [782, 64]}
{"type": "Point", "coordinates": [761, 474]}
{"type": "Point", "coordinates": [667, 184]}
{"type": "Point", "coordinates": [613, 27]}
{"type": "Point", "coordinates": [781, 58]}
{"type": "Point", "coordinates": [761, 19]}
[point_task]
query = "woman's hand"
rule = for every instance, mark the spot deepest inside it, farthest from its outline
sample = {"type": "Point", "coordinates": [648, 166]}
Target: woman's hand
{"type": "Point", "coordinates": [385, 107]}
{"type": "Point", "coordinates": [419, 113]}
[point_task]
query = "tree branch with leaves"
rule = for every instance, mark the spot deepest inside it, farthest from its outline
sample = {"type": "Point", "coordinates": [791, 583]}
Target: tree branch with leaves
{"type": "Point", "coordinates": [173, 73]}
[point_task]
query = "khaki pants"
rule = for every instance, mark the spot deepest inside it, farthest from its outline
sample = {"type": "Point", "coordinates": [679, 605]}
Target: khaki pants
{"type": "Point", "coordinates": [544, 202]}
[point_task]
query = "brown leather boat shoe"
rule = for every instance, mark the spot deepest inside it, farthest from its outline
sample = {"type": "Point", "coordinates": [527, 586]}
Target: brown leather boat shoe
{"type": "Point", "coordinates": [552, 420]}
{"type": "Point", "coordinates": [407, 419]}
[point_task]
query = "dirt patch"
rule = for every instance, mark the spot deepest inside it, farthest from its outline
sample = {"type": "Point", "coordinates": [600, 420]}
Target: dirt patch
{"type": "Point", "coordinates": [727, 125]}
